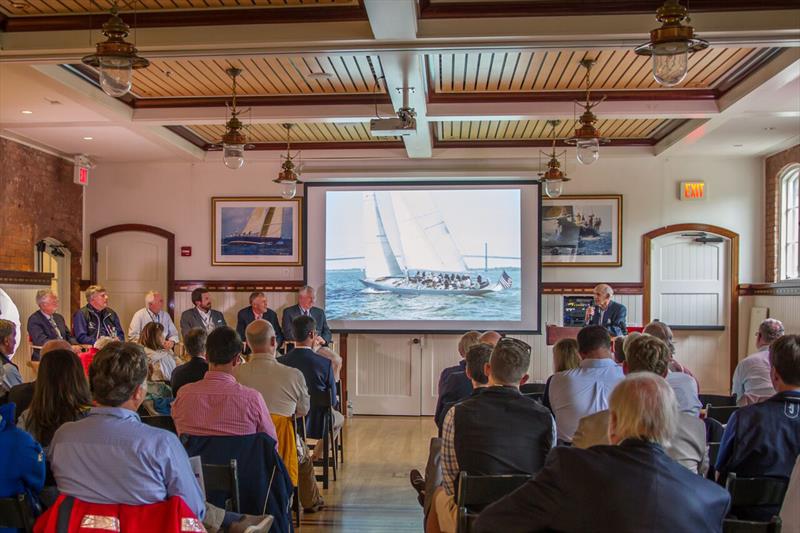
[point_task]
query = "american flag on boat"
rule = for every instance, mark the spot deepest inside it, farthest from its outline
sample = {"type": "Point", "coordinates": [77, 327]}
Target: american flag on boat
{"type": "Point", "coordinates": [505, 280]}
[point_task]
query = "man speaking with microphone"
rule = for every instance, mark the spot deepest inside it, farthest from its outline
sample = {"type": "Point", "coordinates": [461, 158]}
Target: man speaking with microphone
{"type": "Point", "coordinates": [606, 312]}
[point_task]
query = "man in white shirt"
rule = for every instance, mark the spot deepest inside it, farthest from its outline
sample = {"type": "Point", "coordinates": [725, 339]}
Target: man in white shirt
{"type": "Point", "coordinates": [153, 311]}
{"type": "Point", "coordinates": [582, 391]}
{"type": "Point", "coordinates": [751, 376]}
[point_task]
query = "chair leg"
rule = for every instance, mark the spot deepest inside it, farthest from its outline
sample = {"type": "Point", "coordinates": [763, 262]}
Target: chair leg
{"type": "Point", "coordinates": [332, 442]}
{"type": "Point", "coordinates": [325, 462]}
{"type": "Point", "coordinates": [296, 506]}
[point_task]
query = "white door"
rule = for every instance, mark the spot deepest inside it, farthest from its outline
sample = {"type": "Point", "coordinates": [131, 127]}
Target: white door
{"type": "Point", "coordinates": [130, 263]}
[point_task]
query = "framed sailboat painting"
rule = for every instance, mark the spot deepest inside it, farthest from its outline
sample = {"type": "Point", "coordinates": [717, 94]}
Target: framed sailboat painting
{"type": "Point", "coordinates": [256, 231]}
{"type": "Point", "coordinates": [582, 230]}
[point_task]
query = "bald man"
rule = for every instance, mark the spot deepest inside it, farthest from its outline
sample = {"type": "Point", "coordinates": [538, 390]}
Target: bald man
{"type": "Point", "coordinates": [606, 312]}
{"type": "Point", "coordinates": [489, 337]}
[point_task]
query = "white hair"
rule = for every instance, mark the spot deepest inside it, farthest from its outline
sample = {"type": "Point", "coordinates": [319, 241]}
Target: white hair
{"type": "Point", "coordinates": [306, 289]}
{"type": "Point", "coordinates": [643, 406]}
{"type": "Point", "coordinates": [102, 342]}
{"type": "Point", "coordinates": [42, 294]}
{"type": "Point", "coordinates": [605, 289]}
{"type": "Point", "coordinates": [150, 296]}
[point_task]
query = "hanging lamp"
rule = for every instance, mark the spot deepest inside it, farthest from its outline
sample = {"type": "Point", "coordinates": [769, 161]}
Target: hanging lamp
{"type": "Point", "coordinates": [288, 177]}
{"type": "Point", "coordinates": [586, 138]}
{"type": "Point", "coordinates": [115, 58]}
{"type": "Point", "coordinates": [553, 178]}
{"type": "Point", "coordinates": [671, 44]}
{"type": "Point", "coordinates": [234, 139]}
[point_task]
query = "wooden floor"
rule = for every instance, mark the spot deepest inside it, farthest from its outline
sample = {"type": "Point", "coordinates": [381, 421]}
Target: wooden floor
{"type": "Point", "coordinates": [372, 493]}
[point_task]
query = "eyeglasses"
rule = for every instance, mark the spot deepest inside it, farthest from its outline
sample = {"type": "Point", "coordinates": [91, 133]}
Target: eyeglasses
{"type": "Point", "coordinates": [516, 343]}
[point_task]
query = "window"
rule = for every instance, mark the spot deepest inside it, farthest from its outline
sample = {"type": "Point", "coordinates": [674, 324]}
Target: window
{"type": "Point", "coordinates": [790, 223]}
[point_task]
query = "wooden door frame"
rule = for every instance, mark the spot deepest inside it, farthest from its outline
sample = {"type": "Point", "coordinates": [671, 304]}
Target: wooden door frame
{"type": "Point", "coordinates": [144, 228]}
{"type": "Point", "coordinates": [647, 238]}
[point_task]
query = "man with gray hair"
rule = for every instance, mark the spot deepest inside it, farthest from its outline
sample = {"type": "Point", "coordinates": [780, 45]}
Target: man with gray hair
{"type": "Point", "coordinates": [45, 324]}
{"type": "Point", "coordinates": [153, 311]}
{"type": "Point", "coordinates": [305, 307]}
{"type": "Point", "coordinates": [9, 372]}
{"type": "Point", "coordinates": [658, 493]}
{"type": "Point", "coordinates": [606, 312]}
{"type": "Point", "coordinates": [751, 381]}
{"type": "Point", "coordinates": [96, 319]}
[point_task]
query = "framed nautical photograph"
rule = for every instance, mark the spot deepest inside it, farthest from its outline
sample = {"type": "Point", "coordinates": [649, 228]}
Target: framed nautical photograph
{"type": "Point", "coordinates": [582, 230]}
{"type": "Point", "coordinates": [256, 231]}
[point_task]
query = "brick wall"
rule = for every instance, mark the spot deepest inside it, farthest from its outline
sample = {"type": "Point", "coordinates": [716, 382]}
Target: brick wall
{"type": "Point", "coordinates": [772, 168]}
{"type": "Point", "coordinates": [38, 200]}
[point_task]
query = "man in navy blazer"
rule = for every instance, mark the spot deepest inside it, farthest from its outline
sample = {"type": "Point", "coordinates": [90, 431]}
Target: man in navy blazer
{"type": "Point", "coordinates": [258, 310]}
{"type": "Point", "coordinates": [606, 312]}
{"type": "Point", "coordinates": [45, 324]}
{"type": "Point", "coordinates": [318, 372]}
{"type": "Point", "coordinates": [305, 307]}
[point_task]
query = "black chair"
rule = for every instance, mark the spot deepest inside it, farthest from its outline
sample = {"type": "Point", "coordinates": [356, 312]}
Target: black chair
{"type": "Point", "coordinates": [713, 452]}
{"type": "Point", "coordinates": [160, 421]}
{"type": "Point", "coordinates": [754, 492]}
{"type": "Point", "coordinates": [720, 414]}
{"type": "Point", "coordinates": [730, 525]}
{"type": "Point", "coordinates": [322, 401]}
{"type": "Point", "coordinates": [342, 409]}
{"type": "Point", "coordinates": [16, 512]}
{"type": "Point", "coordinates": [717, 400]}
{"type": "Point", "coordinates": [476, 492]}
{"type": "Point", "coordinates": [532, 388]}
{"type": "Point", "coordinates": [714, 430]}
{"type": "Point", "coordinates": [223, 479]}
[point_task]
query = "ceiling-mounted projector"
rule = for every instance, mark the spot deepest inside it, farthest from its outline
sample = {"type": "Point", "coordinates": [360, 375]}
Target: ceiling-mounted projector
{"type": "Point", "coordinates": [392, 127]}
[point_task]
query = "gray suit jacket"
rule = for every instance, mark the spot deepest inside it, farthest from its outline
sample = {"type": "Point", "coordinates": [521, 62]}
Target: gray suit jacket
{"type": "Point", "coordinates": [191, 319]}
{"type": "Point", "coordinates": [688, 447]}
{"type": "Point", "coordinates": [290, 313]}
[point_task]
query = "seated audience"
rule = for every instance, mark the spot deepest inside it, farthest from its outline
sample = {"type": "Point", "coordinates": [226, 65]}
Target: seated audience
{"type": "Point", "coordinates": [217, 404]}
{"type": "Point", "coordinates": [659, 329]}
{"type": "Point", "coordinates": [305, 307]}
{"type": "Point", "coordinates": [159, 398]}
{"type": "Point", "coordinates": [194, 342]}
{"type": "Point", "coordinates": [581, 490]}
{"type": "Point", "coordinates": [257, 310]}
{"type": "Point", "coordinates": [22, 468]}
{"type": "Point", "coordinates": [96, 319]}
{"type": "Point", "coordinates": [565, 357]}
{"type": "Point", "coordinates": [687, 447]}
{"type": "Point", "coordinates": [489, 337]}
{"type": "Point", "coordinates": [751, 381]}
{"type": "Point", "coordinates": [455, 389]}
{"type": "Point", "coordinates": [159, 358]}
{"type": "Point", "coordinates": [111, 457]}
{"type": "Point", "coordinates": [460, 386]}
{"type": "Point", "coordinates": [22, 395]}
{"type": "Point", "coordinates": [153, 311]}
{"type": "Point", "coordinates": [763, 439]}
{"type": "Point", "coordinates": [335, 359]}
{"type": "Point", "coordinates": [201, 315]}
{"type": "Point", "coordinates": [87, 356]}
{"type": "Point", "coordinates": [45, 324]}
{"type": "Point", "coordinates": [582, 391]}
{"type": "Point", "coordinates": [285, 393]}
{"type": "Point", "coordinates": [680, 379]}
{"type": "Point", "coordinates": [9, 372]}
{"type": "Point", "coordinates": [790, 511]}
{"type": "Point", "coordinates": [496, 431]}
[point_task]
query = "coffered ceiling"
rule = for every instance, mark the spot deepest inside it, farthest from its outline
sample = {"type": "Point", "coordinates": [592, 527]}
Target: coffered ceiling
{"type": "Point", "coordinates": [62, 7]}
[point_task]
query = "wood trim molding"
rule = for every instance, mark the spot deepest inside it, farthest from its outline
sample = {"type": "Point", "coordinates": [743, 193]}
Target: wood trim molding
{"type": "Point", "coordinates": [529, 143]}
{"type": "Point", "coordinates": [733, 318]}
{"type": "Point", "coordinates": [652, 95]}
{"type": "Point", "coordinates": [628, 288]}
{"type": "Point", "coordinates": [187, 285]}
{"type": "Point", "coordinates": [263, 101]}
{"type": "Point", "coordinates": [168, 235]}
{"type": "Point", "coordinates": [24, 277]}
{"type": "Point", "coordinates": [769, 289]}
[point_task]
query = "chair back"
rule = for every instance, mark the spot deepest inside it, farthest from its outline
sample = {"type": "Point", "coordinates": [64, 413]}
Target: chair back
{"type": "Point", "coordinates": [717, 400]}
{"type": "Point", "coordinates": [729, 525]}
{"type": "Point", "coordinates": [15, 512]}
{"type": "Point", "coordinates": [755, 491]}
{"type": "Point", "coordinates": [321, 399]}
{"type": "Point", "coordinates": [721, 414]}
{"type": "Point", "coordinates": [160, 421]}
{"type": "Point", "coordinates": [714, 430]}
{"type": "Point", "coordinates": [532, 388]}
{"type": "Point", "coordinates": [713, 452]}
{"type": "Point", "coordinates": [476, 492]}
{"type": "Point", "coordinates": [223, 480]}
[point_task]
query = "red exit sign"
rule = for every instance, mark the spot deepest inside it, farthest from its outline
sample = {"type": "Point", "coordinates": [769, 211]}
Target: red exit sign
{"type": "Point", "coordinates": [693, 190]}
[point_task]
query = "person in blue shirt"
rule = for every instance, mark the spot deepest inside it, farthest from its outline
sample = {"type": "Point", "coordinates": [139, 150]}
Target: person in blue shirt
{"type": "Point", "coordinates": [96, 319]}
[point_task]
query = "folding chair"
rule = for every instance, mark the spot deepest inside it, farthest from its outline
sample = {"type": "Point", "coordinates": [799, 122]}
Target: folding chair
{"type": "Point", "coordinates": [223, 479]}
{"type": "Point", "coordinates": [755, 492]}
{"type": "Point", "coordinates": [476, 492]}
{"type": "Point", "coordinates": [721, 414]}
{"type": "Point", "coordinates": [730, 525]}
{"type": "Point", "coordinates": [717, 400]}
{"type": "Point", "coordinates": [160, 421]}
{"type": "Point", "coordinates": [16, 512]}
{"type": "Point", "coordinates": [532, 388]}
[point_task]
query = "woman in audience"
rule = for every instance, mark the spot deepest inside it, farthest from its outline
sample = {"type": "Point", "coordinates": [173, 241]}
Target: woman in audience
{"type": "Point", "coordinates": [162, 360]}
{"type": "Point", "coordinates": [664, 332]}
{"type": "Point", "coordinates": [565, 357]}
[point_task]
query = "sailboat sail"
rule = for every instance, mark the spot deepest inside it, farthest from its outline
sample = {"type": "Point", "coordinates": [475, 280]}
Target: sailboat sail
{"type": "Point", "coordinates": [380, 259]}
{"type": "Point", "coordinates": [272, 224]}
{"type": "Point", "coordinates": [255, 222]}
{"type": "Point", "coordinates": [286, 224]}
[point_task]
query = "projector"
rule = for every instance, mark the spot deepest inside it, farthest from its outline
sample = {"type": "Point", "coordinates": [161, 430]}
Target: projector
{"type": "Point", "coordinates": [392, 127]}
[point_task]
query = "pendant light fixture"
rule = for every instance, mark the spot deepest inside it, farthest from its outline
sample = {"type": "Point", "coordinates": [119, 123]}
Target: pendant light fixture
{"type": "Point", "coordinates": [586, 138]}
{"type": "Point", "coordinates": [553, 178]}
{"type": "Point", "coordinates": [234, 139]}
{"type": "Point", "coordinates": [115, 58]}
{"type": "Point", "coordinates": [671, 44]}
{"type": "Point", "coordinates": [288, 177]}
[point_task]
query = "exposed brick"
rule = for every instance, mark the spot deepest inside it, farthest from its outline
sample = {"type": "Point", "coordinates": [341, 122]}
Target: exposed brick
{"type": "Point", "coordinates": [772, 168]}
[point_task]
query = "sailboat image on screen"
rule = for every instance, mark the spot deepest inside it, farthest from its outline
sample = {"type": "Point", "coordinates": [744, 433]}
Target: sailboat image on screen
{"type": "Point", "coordinates": [409, 249]}
{"type": "Point", "coordinates": [268, 229]}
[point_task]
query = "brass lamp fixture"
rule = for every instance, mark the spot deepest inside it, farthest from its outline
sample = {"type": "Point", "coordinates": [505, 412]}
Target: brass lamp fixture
{"type": "Point", "coordinates": [553, 178]}
{"type": "Point", "coordinates": [288, 177]}
{"type": "Point", "coordinates": [234, 139]}
{"type": "Point", "coordinates": [671, 44]}
{"type": "Point", "coordinates": [586, 138]}
{"type": "Point", "coordinates": [115, 58]}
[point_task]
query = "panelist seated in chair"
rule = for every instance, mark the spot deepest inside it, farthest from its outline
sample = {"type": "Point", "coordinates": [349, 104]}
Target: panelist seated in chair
{"type": "Point", "coordinates": [9, 371]}
{"type": "Point", "coordinates": [112, 457]}
{"type": "Point", "coordinates": [257, 310]}
{"type": "Point", "coordinates": [305, 307]}
{"type": "Point", "coordinates": [153, 311]}
{"type": "Point", "coordinates": [96, 319]}
{"type": "Point", "coordinates": [45, 324]}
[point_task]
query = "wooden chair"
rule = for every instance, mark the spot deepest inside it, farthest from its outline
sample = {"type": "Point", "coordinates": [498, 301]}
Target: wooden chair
{"type": "Point", "coordinates": [730, 525]}
{"type": "Point", "coordinates": [717, 400]}
{"type": "Point", "coordinates": [16, 512]}
{"type": "Point", "coordinates": [532, 388]}
{"type": "Point", "coordinates": [755, 491]}
{"type": "Point", "coordinates": [223, 479]}
{"type": "Point", "coordinates": [160, 421]}
{"type": "Point", "coordinates": [721, 414]}
{"type": "Point", "coordinates": [343, 410]}
{"type": "Point", "coordinates": [324, 402]}
{"type": "Point", "coordinates": [476, 492]}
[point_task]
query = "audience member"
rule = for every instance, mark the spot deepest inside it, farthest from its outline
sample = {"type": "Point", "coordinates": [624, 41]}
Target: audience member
{"type": "Point", "coordinates": [153, 311]}
{"type": "Point", "coordinates": [688, 446]}
{"type": "Point", "coordinates": [453, 390]}
{"type": "Point", "coordinates": [194, 342]}
{"type": "Point", "coordinates": [217, 404]}
{"type": "Point", "coordinates": [581, 490]}
{"type": "Point", "coordinates": [111, 457]}
{"type": "Point", "coordinates": [582, 391]}
{"type": "Point", "coordinates": [662, 331]}
{"type": "Point", "coordinates": [45, 324]}
{"type": "Point", "coordinates": [9, 372]}
{"type": "Point", "coordinates": [257, 310]}
{"type": "Point", "coordinates": [305, 307]}
{"type": "Point", "coordinates": [490, 337]}
{"type": "Point", "coordinates": [201, 315]}
{"type": "Point", "coordinates": [790, 511]}
{"type": "Point", "coordinates": [498, 431]}
{"type": "Point", "coordinates": [22, 394]}
{"type": "Point", "coordinates": [96, 319]}
{"type": "Point", "coordinates": [751, 381]}
{"type": "Point", "coordinates": [606, 312]}
{"type": "Point", "coordinates": [87, 356]}
{"type": "Point", "coordinates": [680, 378]}
{"type": "Point", "coordinates": [763, 439]}
{"type": "Point", "coordinates": [467, 340]}
{"type": "Point", "coordinates": [161, 360]}
{"type": "Point", "coordinates": [335, 359]}
{"type": "Point", "coordinates": [22, 468]}
{"type": "Point", "coordinates": [565, 357]}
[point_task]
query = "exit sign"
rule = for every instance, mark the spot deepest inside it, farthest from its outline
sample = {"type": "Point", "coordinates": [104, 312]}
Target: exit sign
{"type": "Point", "coordinates": [692, 190]}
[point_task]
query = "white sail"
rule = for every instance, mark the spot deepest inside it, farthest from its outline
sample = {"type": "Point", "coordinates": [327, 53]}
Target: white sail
{"type": "Point", "coordinates": [256, 220]}
{"type": "Point", "coordinates": [272, 223]}
{"type": "Point", "coordinates": [380, 259]}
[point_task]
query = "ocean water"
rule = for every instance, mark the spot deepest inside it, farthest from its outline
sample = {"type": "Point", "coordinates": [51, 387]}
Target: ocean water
{"type": "Point", "coordinates": [346, 298]}
{"type": "Point", "coordinates": [258, 249]}
{"type": "Point", "coordinates": [595, 245]}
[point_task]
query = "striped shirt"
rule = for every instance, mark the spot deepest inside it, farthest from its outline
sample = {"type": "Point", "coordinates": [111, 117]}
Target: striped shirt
{"type": "Point", "coordinates": [219, 405]}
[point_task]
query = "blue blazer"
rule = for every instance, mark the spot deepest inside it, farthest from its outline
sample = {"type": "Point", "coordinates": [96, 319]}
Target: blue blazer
{"type": "Point", "coordinates": [456, 387]}
{"type": "Point", "coordinates": [24, 468]}
{"type": "Point", "coordinates": [41, 331]}
{"type": "Point", "coordinates": [246, 315]}
{"type": "Point", "coordinates": [318, 372]}
{"type": "Point", "coordinates": [290, 313]}
{"type": "Point", "coordinates": [88, 325]}
{"type": "Point", "coordinates": [614, 319]}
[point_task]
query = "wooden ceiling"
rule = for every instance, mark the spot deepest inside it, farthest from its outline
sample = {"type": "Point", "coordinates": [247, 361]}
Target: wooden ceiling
{"type": "Point", "coordinates": [63, 7]}
{"type": "Point", "coordinates": [521, 130]}
{"type": "Point", "coordinates": [301, 133]}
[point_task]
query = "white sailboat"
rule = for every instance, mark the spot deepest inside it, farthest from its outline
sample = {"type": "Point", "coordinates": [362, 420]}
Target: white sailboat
{"type": "Point", "coordinates": [404, 232]}
{"type": "Point", "coordinates": [266, 225]}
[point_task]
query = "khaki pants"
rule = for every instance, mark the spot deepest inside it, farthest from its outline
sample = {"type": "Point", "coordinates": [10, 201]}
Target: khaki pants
{"type": "Point", "coordinates": [307, 481]}
{"type": "Point", "coordinates": [214, 517]}
{"type": "Point", "coordinates": [444, 511]}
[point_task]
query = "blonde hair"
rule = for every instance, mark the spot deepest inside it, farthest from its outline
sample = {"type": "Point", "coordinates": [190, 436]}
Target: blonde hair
{"type": "Point", "coordinates": [92, 290]}
{"type": "Point", "coordinates": [629, 338]}
{"type": "Point", "coordinates": [467, 341]}
{"type": "Point", "coordinates": [643, 406]}
{"type": "Point", "coordinates": [565, 355]}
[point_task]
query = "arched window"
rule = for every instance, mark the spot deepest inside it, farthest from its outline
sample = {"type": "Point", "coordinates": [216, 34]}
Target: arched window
{"type": "Point", "coordinates": [790, 223]}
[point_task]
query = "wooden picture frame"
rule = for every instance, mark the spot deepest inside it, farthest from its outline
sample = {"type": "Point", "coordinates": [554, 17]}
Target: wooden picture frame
{"type": "Point", "coordinates": [582, 230]}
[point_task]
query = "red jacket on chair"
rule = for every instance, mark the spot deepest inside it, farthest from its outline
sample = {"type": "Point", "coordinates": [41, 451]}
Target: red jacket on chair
{"type": "Point", "coordinates": [70, 515]}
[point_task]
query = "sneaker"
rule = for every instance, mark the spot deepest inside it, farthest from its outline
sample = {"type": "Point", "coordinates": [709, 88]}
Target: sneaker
{"type": "Point", "coordinates": [315, 508]}
{"type": "Point", "coordinates": [252, 524]}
